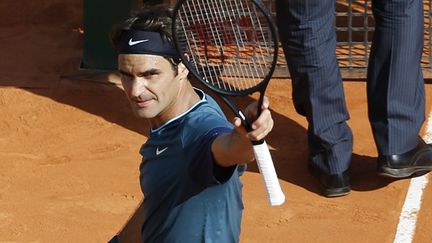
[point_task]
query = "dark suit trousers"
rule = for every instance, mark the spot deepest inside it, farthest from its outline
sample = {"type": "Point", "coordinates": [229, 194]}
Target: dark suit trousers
{"type": "Point", "coordinates": [395, 86]}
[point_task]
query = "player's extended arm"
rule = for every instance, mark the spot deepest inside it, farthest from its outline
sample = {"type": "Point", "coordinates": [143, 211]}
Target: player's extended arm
{"type": "Point", "coordinates": [235, 147]}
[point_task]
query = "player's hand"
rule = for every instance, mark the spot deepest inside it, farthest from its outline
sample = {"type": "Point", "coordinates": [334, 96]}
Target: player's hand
{"type": "Point", "coordinates": [261, 126]}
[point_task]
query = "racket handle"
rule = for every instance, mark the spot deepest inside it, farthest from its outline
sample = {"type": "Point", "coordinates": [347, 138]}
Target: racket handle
{"type": "Point", "coordinates": [265, 165]}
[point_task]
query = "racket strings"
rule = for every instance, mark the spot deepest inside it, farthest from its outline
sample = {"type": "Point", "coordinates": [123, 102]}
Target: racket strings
{"type": "Point", "coordinates": [243, 45]}
{"type": "Point", "coordinates": [229, 42]}
{"type": "Point", "coordinates": [264, 48]}
{"type": "Point", "coordinates": [240, 76]}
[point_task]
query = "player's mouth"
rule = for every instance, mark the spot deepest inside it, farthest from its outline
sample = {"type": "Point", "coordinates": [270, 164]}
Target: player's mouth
{"type": "Point", "coordinates": [144, 103]}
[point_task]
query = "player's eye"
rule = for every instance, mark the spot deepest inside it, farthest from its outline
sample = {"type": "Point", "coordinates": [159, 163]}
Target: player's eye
{"type": "Point", "coordinates": [124, 75]}
{"type": "Point", "coordinates": [150, 74]}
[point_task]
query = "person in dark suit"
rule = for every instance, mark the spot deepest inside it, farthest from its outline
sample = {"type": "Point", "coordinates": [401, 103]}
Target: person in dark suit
{"type": "Point", "coordinates": [395, 89]}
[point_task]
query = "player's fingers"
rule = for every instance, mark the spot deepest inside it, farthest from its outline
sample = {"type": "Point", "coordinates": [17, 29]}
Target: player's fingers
{"type": "Point", "coordinates": [251, 109]}
{"type": "Point", "coordinates": [264, 120]}
{"type": "Point", "coordinates": [266, 103]}
{"type": "Point", "coordinates": [266, 131]}
{"type": "Point", "coordinates": [256, 135]}
{"type": "Point", "coordinates": [237, 122]}
{"type": "Point", "coordinates": [262, 126]}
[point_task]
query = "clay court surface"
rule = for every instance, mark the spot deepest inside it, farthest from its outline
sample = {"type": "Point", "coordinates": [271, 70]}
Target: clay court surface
{"type": "Point", "coordinates": [69, 151]}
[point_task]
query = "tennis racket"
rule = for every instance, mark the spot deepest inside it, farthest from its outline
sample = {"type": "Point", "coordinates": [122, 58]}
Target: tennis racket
{"type": "Point", "coordinates": [231, 48]}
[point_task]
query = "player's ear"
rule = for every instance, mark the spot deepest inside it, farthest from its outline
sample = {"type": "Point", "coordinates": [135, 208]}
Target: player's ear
{"type": "Point", "coordinates": [182, 70]}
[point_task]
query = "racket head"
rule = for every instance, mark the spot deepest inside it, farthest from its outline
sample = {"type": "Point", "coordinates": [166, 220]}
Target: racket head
{"type": "Point", "coordinates": [231, 46]}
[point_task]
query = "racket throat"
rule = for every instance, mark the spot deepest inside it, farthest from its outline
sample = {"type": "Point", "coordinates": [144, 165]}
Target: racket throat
{"type": "Point", "coordinates": [239, 113]}
{"type": "Point", "coordinates": [245, 122]}
{"type": "Point", "coordinates": [248, 126]}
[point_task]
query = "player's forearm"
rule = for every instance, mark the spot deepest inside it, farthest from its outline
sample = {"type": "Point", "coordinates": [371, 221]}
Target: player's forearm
{"type": "Point", "coordinates": [235, 147]}
{"type": "Point", "coordinates": [232, 148]}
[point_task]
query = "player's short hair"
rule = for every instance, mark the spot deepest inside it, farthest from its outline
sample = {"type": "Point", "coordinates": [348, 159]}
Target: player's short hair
{"type": "Point", "coordinates": [157, 18]}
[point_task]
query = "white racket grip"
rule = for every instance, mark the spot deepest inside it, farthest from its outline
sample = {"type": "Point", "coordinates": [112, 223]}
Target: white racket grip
{"type": "Point", "coordinates": [265, 165]}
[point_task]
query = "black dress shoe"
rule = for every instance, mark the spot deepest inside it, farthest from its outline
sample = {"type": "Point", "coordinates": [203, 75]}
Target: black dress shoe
{"type": "Point", "coordinates": [331, 185]}
{"type": "Point", "coordinates": [415, 162]}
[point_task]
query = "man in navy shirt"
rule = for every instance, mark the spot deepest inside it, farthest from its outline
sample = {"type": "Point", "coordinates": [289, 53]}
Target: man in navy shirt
{"type": "Point", "coordinates": [190, 168]}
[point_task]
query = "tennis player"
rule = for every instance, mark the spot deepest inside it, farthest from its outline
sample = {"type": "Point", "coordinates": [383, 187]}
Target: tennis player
{"type": "Point", "coordinates": [193, 157]}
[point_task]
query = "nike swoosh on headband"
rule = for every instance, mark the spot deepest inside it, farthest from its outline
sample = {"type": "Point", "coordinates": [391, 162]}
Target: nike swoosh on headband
{"type": "Point", "coordinates": [132, 43]}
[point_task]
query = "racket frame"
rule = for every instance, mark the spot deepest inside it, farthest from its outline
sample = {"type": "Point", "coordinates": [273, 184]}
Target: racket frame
{"type": "Point", "coordinates": [262, 86]}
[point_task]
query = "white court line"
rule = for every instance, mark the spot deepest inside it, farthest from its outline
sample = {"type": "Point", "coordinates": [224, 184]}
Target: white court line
{"type": "Point", "coordinates": [408, 218]}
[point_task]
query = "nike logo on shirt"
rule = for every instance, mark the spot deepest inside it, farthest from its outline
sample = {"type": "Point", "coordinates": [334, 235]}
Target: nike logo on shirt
{"type": "Point", "coordinates": [132, 42]}
{"type": "Point", "coordinates": [158, 152]}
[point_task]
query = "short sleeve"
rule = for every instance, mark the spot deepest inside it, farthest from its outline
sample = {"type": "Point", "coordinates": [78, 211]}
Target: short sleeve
{"type": "Point", "coordinates": [204, 168]}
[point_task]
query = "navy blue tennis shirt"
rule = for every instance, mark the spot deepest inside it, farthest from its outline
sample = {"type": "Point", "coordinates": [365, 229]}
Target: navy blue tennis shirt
{"type": "Point", "coordinates": [188, 198]}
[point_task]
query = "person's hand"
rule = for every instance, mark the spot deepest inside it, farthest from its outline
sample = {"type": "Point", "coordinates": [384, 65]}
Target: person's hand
{"type": "Point", "coordinates": [261, 126]}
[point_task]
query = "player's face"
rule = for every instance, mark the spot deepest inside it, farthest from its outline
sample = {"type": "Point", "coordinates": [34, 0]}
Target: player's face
{"type": "Point", "coordinates": [150, 83]}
